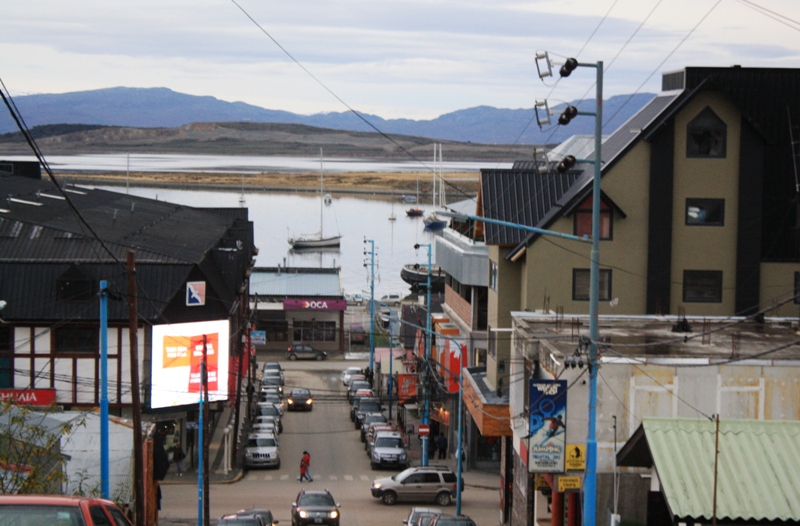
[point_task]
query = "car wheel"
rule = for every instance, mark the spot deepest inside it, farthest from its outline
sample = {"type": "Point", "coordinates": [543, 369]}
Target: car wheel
{"type": "Point", "coordinates": [443, 499]}
{"type": "Point", "coordinates": [373, 466]}
{"type": "Point", "coordinates": [320, 357]}
{"type": "Point", "coordinates": [389, 498]}
{"type": "Point", "coordinates": [293, 357]}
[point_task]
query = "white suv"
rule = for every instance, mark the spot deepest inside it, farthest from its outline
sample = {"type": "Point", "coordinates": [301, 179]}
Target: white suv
{"type": "Point", "coordinates": [388, 449]}
{"type": "Point", "coordinates": [436, 483]}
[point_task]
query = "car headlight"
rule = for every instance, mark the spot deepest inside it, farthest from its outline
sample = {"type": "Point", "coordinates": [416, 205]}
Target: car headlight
{"type": "Point", "coordinates": [403, 456]}
{"type": "Point", "coordinates": [309, 401]}
{"type": "Point", "coordinates": [376, 457]}
{"type": "Point", "coordinates": [290, 401]}
{"type": "Point", "coordinates": [303, 514]}
{"type": "Point", "coordinates": [376, 485]}
{"type": "Point", "coordinates": [333, 514]}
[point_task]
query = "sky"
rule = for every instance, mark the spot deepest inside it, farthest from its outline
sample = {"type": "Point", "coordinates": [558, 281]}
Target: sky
{"type": "Point", "coordinates": [415, 59]}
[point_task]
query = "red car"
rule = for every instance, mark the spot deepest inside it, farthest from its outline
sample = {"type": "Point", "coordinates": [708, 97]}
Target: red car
{"type": "Point", "coordinates": [59, 509]}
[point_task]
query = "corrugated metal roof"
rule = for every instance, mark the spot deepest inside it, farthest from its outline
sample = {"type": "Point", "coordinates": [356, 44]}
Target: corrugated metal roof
{"type": "Point", "coordinates": [289, 282]}
{"type": "Point", "coordinates": [758, 471]}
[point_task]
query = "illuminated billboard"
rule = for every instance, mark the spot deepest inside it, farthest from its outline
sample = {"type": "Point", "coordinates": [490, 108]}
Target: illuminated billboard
{"type": "Point", "coordinates": [177, 357]}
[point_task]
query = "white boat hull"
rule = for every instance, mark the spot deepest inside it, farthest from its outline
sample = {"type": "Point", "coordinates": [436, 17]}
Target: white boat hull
{"type": "Point", "coordinates": [315, 242]}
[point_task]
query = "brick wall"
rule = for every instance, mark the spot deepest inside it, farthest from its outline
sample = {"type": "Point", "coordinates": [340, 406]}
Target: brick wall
{"type": "Point", "coordinates": [460, 306]}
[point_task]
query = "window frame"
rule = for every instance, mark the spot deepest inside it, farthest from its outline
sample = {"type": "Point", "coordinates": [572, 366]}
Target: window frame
{"type": "Point", "coordinates": [708, 122]}
{"type": "Point", "coordinates": [698, 202]}
{"type": "Point", "coordinates": [493, 275]}
{"type": "Point", "coordinates": [585, 209]}
{"type": "Point", "coordinates": [689, 274]}
{"type": "Point", "coordinates": [59, 335]}
{"type": "Point", "coordinates": [587, 272]}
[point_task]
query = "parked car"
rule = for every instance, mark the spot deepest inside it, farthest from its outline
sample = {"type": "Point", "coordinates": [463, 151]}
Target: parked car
{"type": "Point", "coordinates": [347, 373]}
{"type": "Point", "coordinates": [358, 395]}
{"type": "Point", "coordinates": [302, 351]}
{"type": "Point", "coordinates": [271, 381]}
{"type": "Point", "coordinates": [269, 409]}
{"type": "Point", "coordinates": [373, 430]}
{"type": "Point", "coordinates": [366, 405]}
{"type": "Point", "coordinates": [388, 449]}
{"type": "Point", "coordinates": [261, 450]}
{"type": "Point", "coordinates": [240, 520]}
{"type": "Point", "coordinates": [415, 513]}
{"type": "Point", "coordinates": [59, 509]}
{"type": "Point", "coordinates": [452, 520]}
{"type": "Point", "coordinates": [273, 372]}
{"type": "Point", "coordinates": [273, 399]}
{"type": "Point", "coordinates": [354, 299]}
{"type": "Point", "coordinates": [434, 483]}
{"type": "Point", "coordinates": [300, 400]}
{"type": "Point", "coordinates": [357, 333]}
{"type": "Point", "coordinates": [370, 418]}
{"type": "Point", "coordinates": [265, 514]}
{"type": "Point", "coordinates": [392, 299]}
{"type": "Point", "coordinates": [357, 386]}
{"type": "Point", "coordinates": [266, 419]}
{"type": "Point", "coordinates": [265, 427]}
{"type": "Point", "coordinates": [315, 507]}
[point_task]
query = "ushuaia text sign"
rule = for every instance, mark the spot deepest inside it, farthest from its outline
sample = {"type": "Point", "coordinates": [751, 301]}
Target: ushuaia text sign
{"type": "Point", "coordinates": [33, 397]}
{"type": "Point", "coordinates": [547, 432]}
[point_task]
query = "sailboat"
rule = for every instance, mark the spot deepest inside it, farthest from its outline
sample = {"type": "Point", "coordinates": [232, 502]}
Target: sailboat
{"type": "Point", "coordinates": [392, 217]}
{"type": "Point", "coordinates": [432, 222]}
{"type": "Point", "coordinates": [317, 240]}
{"type": "Point", "coordinates": [415, 211]}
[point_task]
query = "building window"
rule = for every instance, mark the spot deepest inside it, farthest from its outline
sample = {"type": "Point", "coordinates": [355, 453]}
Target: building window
{"type": "Point", "coordinates": [705, 212]}
{"type": "Point", "coordinates": [275, 331]}
{"type": "Point", "coordinates": [706, 136]}
{"type": "Point", "coordinates": [315, 331]}
{"type": "Point", "coordinates": [581, 279]}
{"type": "Point", "coordinates": [583, 220]}
{"type": "Point", "coordinates": [493, 275]}
{"type": "Point", "coordinates": [702, 286]}
{"type": "Point", "coordinates": [797, 288]}
{"type": "Point", "coordinates": [6, 348]}
{"type": "Point", "coordinates": [75, 340]}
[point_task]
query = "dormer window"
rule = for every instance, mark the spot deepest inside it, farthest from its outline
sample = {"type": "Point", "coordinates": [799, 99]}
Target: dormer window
{"type": "Point", "coordinates": [706, 136]}
{"type": "Point", "coordinates": [74, 285]}
{"type": "Point", "coordinates": [583, 220]}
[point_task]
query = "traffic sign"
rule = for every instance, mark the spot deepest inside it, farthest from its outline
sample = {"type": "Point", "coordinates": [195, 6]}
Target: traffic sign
{"type": "Point", "coordinates": [424, 430]}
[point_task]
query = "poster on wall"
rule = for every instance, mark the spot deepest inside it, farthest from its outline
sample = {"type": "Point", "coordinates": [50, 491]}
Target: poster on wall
{"type": "Point", "coordinates": [176, 362]}
{"type": "Point", "coordinates": [547, 432]}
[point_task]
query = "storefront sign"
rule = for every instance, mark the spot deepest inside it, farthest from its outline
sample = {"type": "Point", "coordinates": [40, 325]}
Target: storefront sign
{"type": "Point", "coordinates": [195, 293]}
{"type": "Point", "coordinates": [576, 457]}
{"type": "Point", "coordinates": [547, 426]}
{"type": "Point", "coordinates": [33, 397]}
{"type": "Point", "coordinates": [569, 484]}
{"type": "Point", "coordinates": [406, 387]}
{"type": "Point", "coordinates": [314, 304]}
{"type": "Point", "coordinates": [258, 337]}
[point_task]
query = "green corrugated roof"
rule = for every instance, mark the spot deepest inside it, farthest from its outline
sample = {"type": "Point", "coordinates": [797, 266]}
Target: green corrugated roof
{"type": "Point", "coordinates": [758, 469]}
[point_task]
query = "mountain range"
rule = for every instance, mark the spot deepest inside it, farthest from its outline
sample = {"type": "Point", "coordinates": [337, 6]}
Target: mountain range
{"type": "Point", "coordinates": [164, 108]}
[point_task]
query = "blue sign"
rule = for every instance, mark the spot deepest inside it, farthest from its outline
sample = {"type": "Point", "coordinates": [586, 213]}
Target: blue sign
{"type": "Point", "coordinates": [547, 432]}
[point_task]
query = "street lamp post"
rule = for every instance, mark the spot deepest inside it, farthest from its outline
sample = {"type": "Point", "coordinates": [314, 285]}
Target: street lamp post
{"type": "Point", "coordinates": [426, 409]}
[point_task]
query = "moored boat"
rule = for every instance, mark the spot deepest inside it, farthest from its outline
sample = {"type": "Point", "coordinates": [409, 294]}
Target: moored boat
{"type": "Point", "coordinates": [417, 275]}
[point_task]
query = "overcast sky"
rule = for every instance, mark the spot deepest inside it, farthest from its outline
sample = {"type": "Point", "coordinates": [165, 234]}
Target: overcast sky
{"type": "Point", "coordinates": [416, 59]}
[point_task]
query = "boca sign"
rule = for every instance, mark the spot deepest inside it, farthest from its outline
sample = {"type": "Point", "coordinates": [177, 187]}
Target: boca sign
{"type": "Point", "coordinates": [314, 304]}
{"type": "Point", "coordinates": [33, 397]}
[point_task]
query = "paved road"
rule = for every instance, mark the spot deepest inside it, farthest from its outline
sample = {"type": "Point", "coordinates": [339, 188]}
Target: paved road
{"type": "Point", "coordinates": [338, 463]}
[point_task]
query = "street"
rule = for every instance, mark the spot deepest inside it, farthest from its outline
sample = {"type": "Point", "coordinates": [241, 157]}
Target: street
{"type": "Point", "coordinates": [338, 463]}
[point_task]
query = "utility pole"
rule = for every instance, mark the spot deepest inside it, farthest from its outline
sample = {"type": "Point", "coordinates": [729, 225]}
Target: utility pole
{"type": "Point", "coordinates": [371, 305]}
{"type": "Point", "coordinates": [104, 483]}
{"type": "Point", "coordinates": [133, 338]}
{"type": "Point", "coordinates": [206, 438]}
{"type": "Point", "coordinates": [426, 408]}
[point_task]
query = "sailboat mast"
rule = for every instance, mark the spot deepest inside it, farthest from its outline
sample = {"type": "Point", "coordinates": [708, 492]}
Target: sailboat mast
{"type": "Point", "coordinates": [321, 198]}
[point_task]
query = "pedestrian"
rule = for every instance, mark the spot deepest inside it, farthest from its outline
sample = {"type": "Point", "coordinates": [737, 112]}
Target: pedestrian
{"type": "Point", "coordinates": [303, 468]}
{"type": "Point", "coordinates": [432, 446]}
{"type": "Point", "coordinates": [441, 442]}
{"type": "Point", "coordinates": [307, 458]}
{"type": "Point", "coordinates": [177, 457]}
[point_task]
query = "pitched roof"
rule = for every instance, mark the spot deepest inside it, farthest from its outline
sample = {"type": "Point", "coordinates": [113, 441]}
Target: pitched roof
{"type": "Point", "coordinates": [758, 469]}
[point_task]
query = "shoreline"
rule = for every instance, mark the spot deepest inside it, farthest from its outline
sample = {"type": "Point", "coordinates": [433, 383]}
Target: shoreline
{"type": "Point", "coordinates": [354, 183]}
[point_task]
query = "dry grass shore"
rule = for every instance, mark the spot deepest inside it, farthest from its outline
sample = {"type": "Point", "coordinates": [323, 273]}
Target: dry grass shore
{"type": "Point", "coordinates": [353, 182]}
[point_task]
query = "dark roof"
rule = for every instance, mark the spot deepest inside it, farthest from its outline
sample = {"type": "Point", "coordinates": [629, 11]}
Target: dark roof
{"type": "Point", "coordinates": [43, 243]}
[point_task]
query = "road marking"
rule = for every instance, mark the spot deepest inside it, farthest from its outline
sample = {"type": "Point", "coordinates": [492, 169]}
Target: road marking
{"type": "Point", "coordinates": [268, 477]}
{"type": "Point", "coordinates": [348, 477]}
{"type": "Point", "coordinates": [284, 477]}
{"type": "Point", "coordinates": [333, 477]}
{"type": "Point", "coordinates": [364, 477]}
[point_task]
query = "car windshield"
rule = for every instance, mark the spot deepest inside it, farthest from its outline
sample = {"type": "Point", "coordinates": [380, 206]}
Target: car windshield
{"type": "Point", "coordinates": [389, 442]}
{"type": "Point", "coordinates": [41, 514]}
{"type": "Point", "coordinates": [369, 405]}
{"type": "Point", "coordinates": [299, 393]}
{"type": "Point", "coordinates": [261, 442]}
{"type": "Point", "coordinates": [375, 418]}
{"type": "Point", "coordinates": [268, 409]}
{"type": "Point", "coordinates": [403, 474]}
{"type": "Point", "coordinates": [316, 499]}
{"type": "Point", "coordinates": [271, 380]}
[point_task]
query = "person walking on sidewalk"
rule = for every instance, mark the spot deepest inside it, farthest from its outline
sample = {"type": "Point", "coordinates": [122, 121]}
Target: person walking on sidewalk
{"type": "Point", "coordinates": [303, 468]}
{"type": "Point", "coordinates": [177, 457]}
{"type": "Point", "coordinates": [441, 442]}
